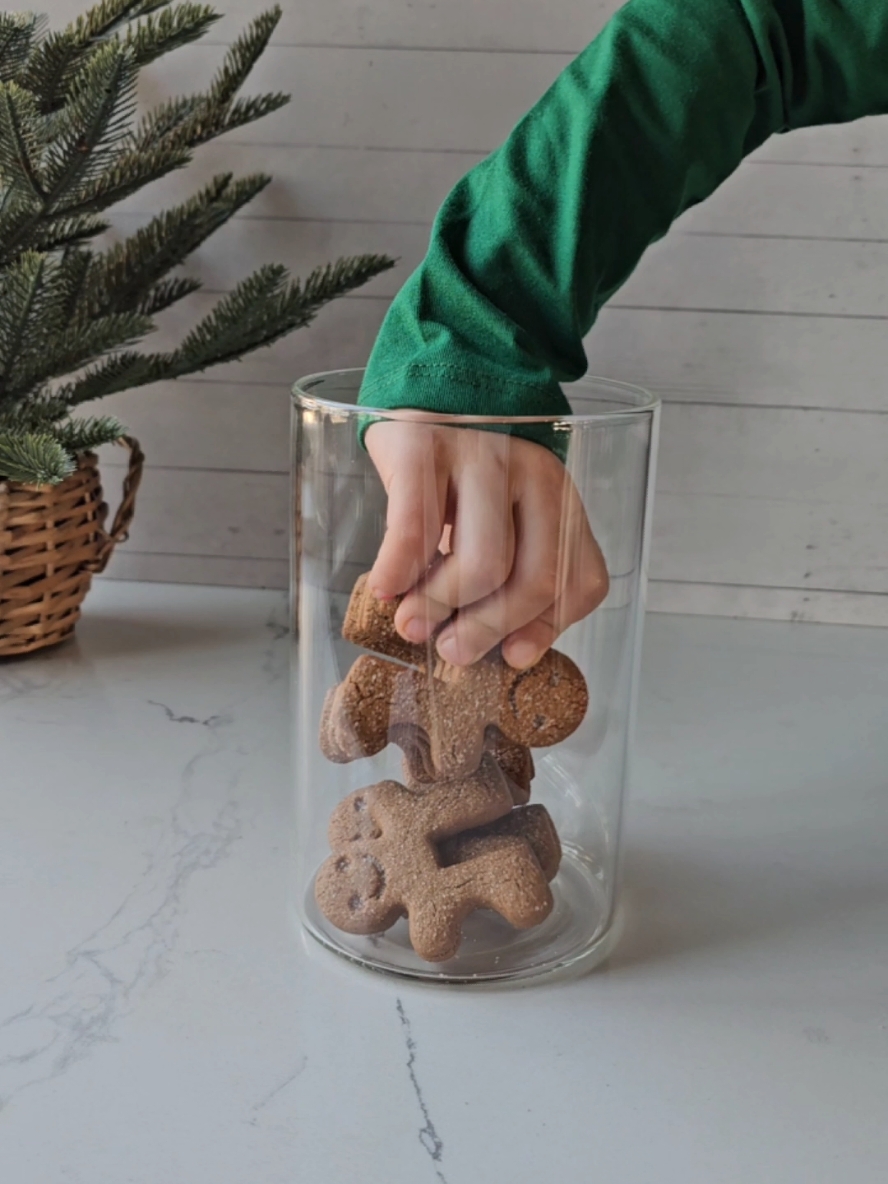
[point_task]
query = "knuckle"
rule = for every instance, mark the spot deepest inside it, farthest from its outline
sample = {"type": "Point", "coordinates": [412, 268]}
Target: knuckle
{"type": "Point", "coordinates": [594, 588]}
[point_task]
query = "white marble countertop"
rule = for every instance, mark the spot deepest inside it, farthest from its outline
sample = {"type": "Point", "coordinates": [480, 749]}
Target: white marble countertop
{"type": "Point", "coordinates": [160, 1024]}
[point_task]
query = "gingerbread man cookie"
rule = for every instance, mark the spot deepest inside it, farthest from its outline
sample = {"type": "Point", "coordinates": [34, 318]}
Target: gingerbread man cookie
{"type": "Point", "coordinates": [535, 708]}
{"type": "Point", "coordinates": [386, 863]}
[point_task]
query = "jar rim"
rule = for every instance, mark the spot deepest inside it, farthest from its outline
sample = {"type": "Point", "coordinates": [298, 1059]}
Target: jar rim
{"type": "Point", "coordinates": [639, 404]}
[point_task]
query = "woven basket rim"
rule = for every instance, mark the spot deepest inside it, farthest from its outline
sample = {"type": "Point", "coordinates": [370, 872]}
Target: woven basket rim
{"type": "Point", "coordinates": [84, 460]}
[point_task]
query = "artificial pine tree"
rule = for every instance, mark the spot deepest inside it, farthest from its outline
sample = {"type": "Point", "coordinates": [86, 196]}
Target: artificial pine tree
{"type": "Point", "coordinates": [71, 146]}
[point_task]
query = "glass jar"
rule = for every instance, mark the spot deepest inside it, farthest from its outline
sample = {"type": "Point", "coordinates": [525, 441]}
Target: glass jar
{"type": "Point", "coordinates": [608, 446]}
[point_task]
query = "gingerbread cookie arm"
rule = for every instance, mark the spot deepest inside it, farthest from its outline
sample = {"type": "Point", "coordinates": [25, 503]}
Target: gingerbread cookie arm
{"type": "Point", "coordinates": [483, 797]}
{"type": "Point", "coordinates": [355, 718]}
{"type": "Point", "coordinates": [507, 880]}
{"type": "Point", "coordinates": [531, 823]}
{"type": "Point", "coordinates": [510, 881]}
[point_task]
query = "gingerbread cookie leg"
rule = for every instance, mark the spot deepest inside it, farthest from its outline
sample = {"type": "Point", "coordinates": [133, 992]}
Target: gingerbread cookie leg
{"type": "Point", "coordinates": [514, 760]}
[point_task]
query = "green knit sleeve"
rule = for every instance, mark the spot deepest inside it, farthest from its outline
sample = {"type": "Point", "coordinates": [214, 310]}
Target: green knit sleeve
{"type": "Point", "coordinates": [648, 121]}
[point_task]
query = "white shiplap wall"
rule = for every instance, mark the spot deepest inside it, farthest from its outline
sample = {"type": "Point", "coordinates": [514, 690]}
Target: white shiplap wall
{"type": "Point", "coordinates": [761, 319]}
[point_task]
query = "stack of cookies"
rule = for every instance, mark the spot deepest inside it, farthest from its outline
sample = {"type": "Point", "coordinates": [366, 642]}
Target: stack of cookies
{"type": "Point", "coordinates": [458, 834]}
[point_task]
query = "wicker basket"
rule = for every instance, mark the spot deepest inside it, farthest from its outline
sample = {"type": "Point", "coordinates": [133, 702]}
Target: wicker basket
{"type": "Point", "coordinates": [52, 541]}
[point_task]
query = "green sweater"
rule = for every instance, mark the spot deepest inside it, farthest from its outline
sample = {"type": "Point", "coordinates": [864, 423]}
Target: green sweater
{"type": "Point", "coordinates": [648, 121]}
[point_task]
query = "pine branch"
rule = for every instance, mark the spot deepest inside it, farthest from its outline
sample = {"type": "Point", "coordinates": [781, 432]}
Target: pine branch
{"type": "Point", "coordinates": [254, 314]}
{"type": "Point", "coordinates": [127, 175]}
{"type": "Point", "coordinates": [33, 459]}
{"type": "Point", "coordinates": [57, 233]}
{"type": "Point", "coordinates": [263, 308]}
{"type": "Point", "coordinates": [120, 280]}
{"type": "Point", "coordinates": [85, 435]}
{"type": "Point", "coordinates": [17, 30]}
{"type": "Point", "coordinates": [107, 17]}
{"type": "Point", "coordinates": [21, 146]}
{"type": "Point", "coordinates": [192, 121]}
{"type": "Point", "coordinates": [243, 55]}
{"type": "Point", "coordinates": [165, 294]}
{"type": "Point", "coordinates": [20, 291]}
{"type": "Point", "coordinates": [260, 310]}
{"type": "Point", "coordinates": [54, 61]}
{"type": "Point", "coordinates": [168, 30]}
{"type": "Point", "coordinates": [336, 279]}
{"type": "Point", "coordinates": [96, 118]}
{"type": "Point", "coordinates": [53, 356]}
{"type": "Point", "coordinates": [39, 414]}
{"type": "Point", "coordinates": [121, 372]}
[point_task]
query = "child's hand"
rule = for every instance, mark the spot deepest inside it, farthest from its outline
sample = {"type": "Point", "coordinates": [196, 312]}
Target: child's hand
{"type": "Point", "coordinates": [520, 562]}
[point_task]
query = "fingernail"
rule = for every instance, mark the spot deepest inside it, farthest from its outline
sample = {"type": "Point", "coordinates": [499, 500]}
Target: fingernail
{"type": "Point", "coordinates": [522, 654]}
{"type": "Point", "coordinates": [448, 648]}
{"type": "Point", "coordinates": [415, 629]}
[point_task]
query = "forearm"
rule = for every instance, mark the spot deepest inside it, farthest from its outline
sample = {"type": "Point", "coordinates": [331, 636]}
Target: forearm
{"type": "Point", "coordinates": [647, 122]}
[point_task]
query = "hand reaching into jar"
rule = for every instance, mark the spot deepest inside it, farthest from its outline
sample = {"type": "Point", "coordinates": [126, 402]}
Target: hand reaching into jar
{"type": "Point", "coordinates": [486, 532]}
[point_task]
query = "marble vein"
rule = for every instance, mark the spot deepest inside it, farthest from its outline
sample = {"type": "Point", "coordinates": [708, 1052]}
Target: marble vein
{"type": "Point", "coordinates": [428, 1135]}
{"type": "Point", "coordinates": [79, 1008]}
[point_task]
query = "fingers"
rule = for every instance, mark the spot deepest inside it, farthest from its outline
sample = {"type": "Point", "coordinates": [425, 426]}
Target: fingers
{"type": "Point", "coordinates": [417, 498]}
{"type": "Point", "coordinates": [558, 578]}
{"type": "Point", "coordinates": [481, 551]}
{"type": "Point", "coordinates": [529, 590]}
{"type": "Point", "coordinates": [525, 646]}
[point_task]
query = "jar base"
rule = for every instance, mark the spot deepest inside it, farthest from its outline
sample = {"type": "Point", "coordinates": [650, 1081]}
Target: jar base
{"type": "Point", "coordinates": [578, 935]}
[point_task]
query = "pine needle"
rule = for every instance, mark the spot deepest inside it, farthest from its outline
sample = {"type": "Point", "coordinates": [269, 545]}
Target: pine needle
{"type": "Point", "coordinates": [33, 459]}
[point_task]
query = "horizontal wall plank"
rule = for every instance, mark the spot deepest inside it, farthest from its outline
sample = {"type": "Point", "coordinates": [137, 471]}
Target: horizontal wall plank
{"type": "Point", "coordinates": [862, 142]}
{"type": "Point", "coordinates": [358, 97]}
{"type": "Point", "coordinates": [204, 424]}
{"type": "Point", "coordinates": [197, 569]}
{"type": "Point", "coordinates": [811, 458]}
{"type": "Point", "coordinates": [732, 358]}
{"type": "Point", "coordinates": [560, 31]}
{"type": "Point", "coordinates": [755, 275]}
{"type": "Point", "coordinates": [683, 271]}
{"type": "Point", "coordinates": [242, 245]}
{"type": "Point", "coordinates": [341, 184]}
{"type": "Point", "coordinates": [398, 23]}
{"type": "Point", "coordinates": [339, 338]}
{"type": "Point", "coordinates": [231, 515]}
{"type": "Point", "coordinates": [817, 201]}
{"type": "Point", "coordinates": [762, 541]}
{"type": "Point", "coordinates": [344, 184]}
{"type": "Point", "coordinates": [769, 604]}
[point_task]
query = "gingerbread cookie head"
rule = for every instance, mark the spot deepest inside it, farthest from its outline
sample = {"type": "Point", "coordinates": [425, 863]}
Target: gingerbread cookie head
{"type": "Point", "coordinates": [352, 887]}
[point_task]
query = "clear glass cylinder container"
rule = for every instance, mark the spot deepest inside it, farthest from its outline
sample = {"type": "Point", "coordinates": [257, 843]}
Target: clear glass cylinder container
{"type": "Point", "coordinates": [397, 864]}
